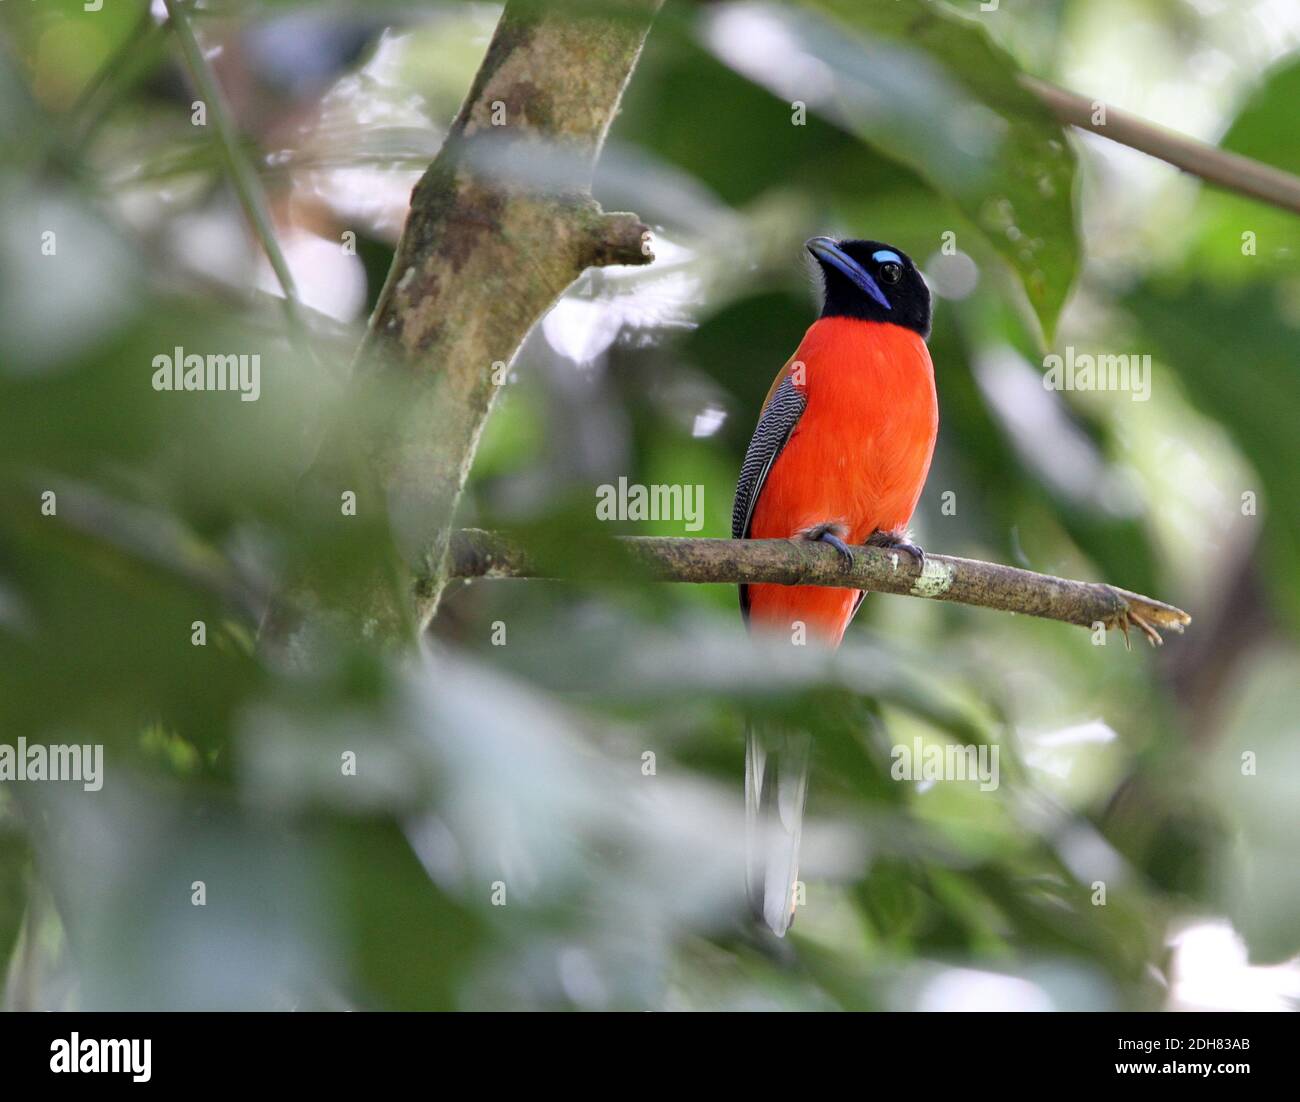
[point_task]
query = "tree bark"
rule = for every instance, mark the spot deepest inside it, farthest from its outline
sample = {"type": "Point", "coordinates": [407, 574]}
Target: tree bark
{"type": "Point", "coordinates": [500, 225]}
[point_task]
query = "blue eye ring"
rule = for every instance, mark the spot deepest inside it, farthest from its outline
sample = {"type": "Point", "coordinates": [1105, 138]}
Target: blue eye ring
{"type": "Point", "coordinates": [889, 265]}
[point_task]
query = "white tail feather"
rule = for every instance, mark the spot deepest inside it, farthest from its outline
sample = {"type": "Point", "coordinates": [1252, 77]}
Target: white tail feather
{"type": "Point", "coordinates": [776, 786]}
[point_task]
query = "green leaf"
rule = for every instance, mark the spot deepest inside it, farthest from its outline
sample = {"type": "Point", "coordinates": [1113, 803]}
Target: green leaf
{"type": "Point", "coordinates": [1234, 350]}
{"type": "Point", "coordinates": [1015, 496]}
{"type": "Point", "coordinates": [1265, 128]}
{"type": "Point", "coordinates": [1252, 777]}
{"type": "Point", "coordinates": [1239, 239]}
{"type": "Point", "coordinates": [930, 89]}
{"type": "Point", "coordinates": [410, 945]}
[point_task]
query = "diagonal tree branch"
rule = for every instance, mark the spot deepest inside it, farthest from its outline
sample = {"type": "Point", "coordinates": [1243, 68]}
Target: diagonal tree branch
{"type": "Point", "coordinates": [1216, 166]}
{"type": "Point", "coordinates": [486, 251]}
{"type": "Point", "coordinates": [500, 225]}
{"type": "Point", "coordinates": [478, 554]}
{"type": "Point", "coordinates": [243, 176]}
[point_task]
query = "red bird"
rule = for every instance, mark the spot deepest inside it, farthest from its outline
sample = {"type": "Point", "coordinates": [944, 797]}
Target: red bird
{"type": "Point", "coordinates": [840, 455]}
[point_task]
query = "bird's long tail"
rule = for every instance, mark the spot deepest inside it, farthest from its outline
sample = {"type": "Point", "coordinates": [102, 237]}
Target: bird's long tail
{"type": "Point", "coordinates": [776, 785]}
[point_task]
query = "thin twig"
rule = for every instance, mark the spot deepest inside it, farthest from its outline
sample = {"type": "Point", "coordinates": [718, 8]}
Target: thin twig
{"type": "Point", "coordinates": [478, 554]}
{"type": "Point", "coordinates": [1216, 166]}
{"type": "Point", "coordinates": [119, 73]}
{"type": "Point", "coordinates": [245, 180]}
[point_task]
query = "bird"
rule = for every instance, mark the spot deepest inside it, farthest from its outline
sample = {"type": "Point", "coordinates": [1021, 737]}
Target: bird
{"type": "Point", "coordinates": [840, 455]}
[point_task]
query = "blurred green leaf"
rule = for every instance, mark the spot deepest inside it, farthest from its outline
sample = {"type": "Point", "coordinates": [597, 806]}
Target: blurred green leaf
{"type": "Point", "coordinates": [1239, 239]}
{"type": "Point", "coordinates": [1234, 350]}
{"type": "Point", "coordinates": [1252, 777]}
{"type": "Point", "coordinates": [409, 946]}
{"type": "Point", "coordinates": [987, 143]}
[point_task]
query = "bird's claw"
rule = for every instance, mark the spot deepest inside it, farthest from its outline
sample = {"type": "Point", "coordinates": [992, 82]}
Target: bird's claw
{"type": "Point", "coordinates": [825, 535]}
{"type": "Point", "coordinates": [890, 542]}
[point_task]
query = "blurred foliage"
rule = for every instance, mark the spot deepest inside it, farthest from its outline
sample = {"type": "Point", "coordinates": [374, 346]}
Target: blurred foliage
{"type": "Point", "coordinates": [1019, 190]}
{"type": "Point", "coordinates": [504, 840]}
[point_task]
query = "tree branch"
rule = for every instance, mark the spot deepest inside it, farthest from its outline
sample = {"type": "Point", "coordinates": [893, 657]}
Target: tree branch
{"type": "Point", "coordinates": [500, 225]}
{"type": "Point", "coordinates": [478, 554]}
{"type": "Point", "coordinates": [243, 177]}
{"type": "Point", "coordinates": [1216, 166]}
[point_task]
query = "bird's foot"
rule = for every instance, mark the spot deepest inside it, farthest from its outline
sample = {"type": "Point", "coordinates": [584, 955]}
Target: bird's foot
{"type": "Point", "coordinates": [892, 541]}
{"type": "Point", "coordinates": [825, 533]}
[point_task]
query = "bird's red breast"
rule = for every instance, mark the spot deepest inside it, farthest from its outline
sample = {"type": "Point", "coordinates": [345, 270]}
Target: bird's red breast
{"type": "Point", "coordinates": [858, 456]}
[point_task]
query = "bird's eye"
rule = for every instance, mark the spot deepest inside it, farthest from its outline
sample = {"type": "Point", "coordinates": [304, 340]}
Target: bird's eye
{"type": "Point", "coordinates": [891, 272]}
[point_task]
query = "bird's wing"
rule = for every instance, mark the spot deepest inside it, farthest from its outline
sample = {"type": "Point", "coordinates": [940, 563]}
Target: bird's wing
{"type": "Point", "coordinates": [781, 413]}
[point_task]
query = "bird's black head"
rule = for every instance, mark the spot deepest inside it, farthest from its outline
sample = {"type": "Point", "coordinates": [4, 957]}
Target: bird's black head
{"type": "Point", "coordinates": [872, 281]}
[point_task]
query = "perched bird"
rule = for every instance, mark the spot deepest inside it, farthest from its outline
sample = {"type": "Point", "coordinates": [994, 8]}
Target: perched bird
{"type": "Point", "coordinates": [840, 454]}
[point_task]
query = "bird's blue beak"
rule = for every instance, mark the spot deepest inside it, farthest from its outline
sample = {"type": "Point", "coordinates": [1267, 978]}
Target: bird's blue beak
{"type": "Point", "coordinates": [828, 252]}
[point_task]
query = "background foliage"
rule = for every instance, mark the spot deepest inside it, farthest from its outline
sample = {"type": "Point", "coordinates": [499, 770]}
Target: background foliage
{"type": "Point", "coordinates": [522, 764]}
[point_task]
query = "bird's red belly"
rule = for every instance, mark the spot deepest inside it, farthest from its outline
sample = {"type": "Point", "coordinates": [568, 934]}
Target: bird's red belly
{"type": "Point", "coordinates": [858, 459]}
